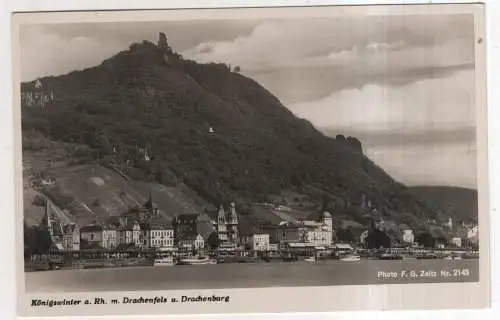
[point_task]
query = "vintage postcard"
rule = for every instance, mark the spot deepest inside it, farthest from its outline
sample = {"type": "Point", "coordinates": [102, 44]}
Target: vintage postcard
{"type": "Point", "coordinates": [251, 160]}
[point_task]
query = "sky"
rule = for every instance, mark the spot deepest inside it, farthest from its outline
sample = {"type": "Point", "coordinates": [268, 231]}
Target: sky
{"type": "Point", "coordinates": [404, 85]}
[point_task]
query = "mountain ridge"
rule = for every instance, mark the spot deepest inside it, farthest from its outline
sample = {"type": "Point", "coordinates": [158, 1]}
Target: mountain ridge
{"type": "Point", "coordinates": [148, 110]}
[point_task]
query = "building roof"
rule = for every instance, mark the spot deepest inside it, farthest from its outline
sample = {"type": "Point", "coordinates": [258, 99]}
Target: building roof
{"type": "Point", "coordinates": [403, 227]}
{"type": "Point", "coordinates": [91, 228]}
{"type": "Point", "coordinates": [343, 246]}
{"type": "Point", "coordinates": [157, 224]}
{"type": "Point", "coordinates": [260, 234]}
{"type": "Point", "coordinates": [70, 228]}
{"type": "Point", "coordinates": [289, 226]}
{"type": "Point", "coordinates": [188, 236]}
{"type": "Point", "coordinates": [309, 223]}
{"type": "Point", "coordinates": [187, 216]}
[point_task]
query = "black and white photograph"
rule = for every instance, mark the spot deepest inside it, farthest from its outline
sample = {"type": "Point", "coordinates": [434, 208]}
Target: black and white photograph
{"type": "Point", "coordinates": [250, 151]}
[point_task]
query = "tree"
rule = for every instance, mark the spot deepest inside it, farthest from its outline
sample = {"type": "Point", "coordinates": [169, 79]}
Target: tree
{"type": "Point", "coordinates": [36, 239]}
{"type": "Point", "coordinates": [378, 239]}
{"type": "Point", "coordinates": [213, 240]}
{"type": "Point", "coordinates": [425, 239]}
{"type": "Point", "coordinates": [237, 69]}
{"type": "Point", "coordinates": [346, 235]}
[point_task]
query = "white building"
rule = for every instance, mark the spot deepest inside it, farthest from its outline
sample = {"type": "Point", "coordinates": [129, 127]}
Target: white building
{"type": "Point", "coordinates": [129, 233]}
{"type": "Point", "coordinates": [313, 233]}
{"type": "Point", "coordinates": [157, 235]}
{"type": "Point", "coordinates": [259, 242]}
{"type": "Point", "coordinates": [71, 237]}
{"type": "Point", "coordinates": [109, 238]}
{"type": "Point", "coordinates": [457, 241]}
{"type": "Point", "coordinates": [473, 235]}
{"type": "Point", "coordinates": [318, 237]}
{"type": "Point", "coordinates": [408, 236]}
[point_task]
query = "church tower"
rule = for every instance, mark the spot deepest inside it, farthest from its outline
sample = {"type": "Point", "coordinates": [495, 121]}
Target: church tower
{"type": "Point", "coordinates": [233, 223]}
{"type": "Point", "coordinates": [222, 224]}
{"type": "Point", "coordinates": [327, 220]}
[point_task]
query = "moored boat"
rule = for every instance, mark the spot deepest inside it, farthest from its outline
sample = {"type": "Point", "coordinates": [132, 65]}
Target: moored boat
{"type": "Point", "coordinates": [390, 256]}
{"type": "Point", "coordinates": [351, 257]}
{"type": "Point", "coordinates": [196, 261]}
{"type": "Point", "coordinates": [164, 262]}
{"type": "Point", "coordinates": [310, 259]}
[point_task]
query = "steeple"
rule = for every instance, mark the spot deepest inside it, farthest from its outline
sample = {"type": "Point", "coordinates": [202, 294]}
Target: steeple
{"type": "Point", "coordinates": [221, 218]}
{"type": "Point", "coordinates": [232, 214]}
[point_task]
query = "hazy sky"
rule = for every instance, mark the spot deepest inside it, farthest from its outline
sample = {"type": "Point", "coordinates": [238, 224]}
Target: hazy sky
{"type": "Point", "coordinates": [404, 85]}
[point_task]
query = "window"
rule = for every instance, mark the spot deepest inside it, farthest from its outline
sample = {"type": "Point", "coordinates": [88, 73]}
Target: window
{"type": "Point", "coordinates": [91, 236]}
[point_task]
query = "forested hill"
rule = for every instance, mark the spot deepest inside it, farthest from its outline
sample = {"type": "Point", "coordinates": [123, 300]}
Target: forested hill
{"type": "Point", "coordinates": [209, 126]}
{"type": "Point", "coordinates": [460, 203]}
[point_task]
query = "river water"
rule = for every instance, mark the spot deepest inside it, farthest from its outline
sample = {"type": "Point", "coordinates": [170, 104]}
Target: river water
{"type": "Point", "coordinates": [254, 275]}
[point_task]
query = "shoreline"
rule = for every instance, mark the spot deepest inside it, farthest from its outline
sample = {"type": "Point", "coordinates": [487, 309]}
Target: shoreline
{"type": "Point", "coordinates": [253, 275]}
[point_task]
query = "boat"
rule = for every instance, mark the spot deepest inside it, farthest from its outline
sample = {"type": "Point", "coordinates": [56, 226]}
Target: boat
{"type": "Point", "coordinates": [448, 258]}
{"type": "Point", "coordinates": [310, 259]}
{"type": "Point", "coordinates": [164, 261]}
{"type": "Point", "coordinates": [196, 261]}
{"type": "Point", "coordinates": [351, 257]}
{"type": "Point", "coordinates": [390, 256]}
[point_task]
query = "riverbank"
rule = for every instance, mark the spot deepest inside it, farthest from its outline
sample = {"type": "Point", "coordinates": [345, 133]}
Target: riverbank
{"type": "Point", "coordinates": [254, 275]}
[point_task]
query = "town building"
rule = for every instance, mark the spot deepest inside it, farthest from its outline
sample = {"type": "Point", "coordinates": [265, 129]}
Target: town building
{"type": "Point", "coordinates": [363, 236]}
{"type": "Point", "coordinates": [473, 235]}
{"type": "Point", "coordinates": [91, 236]}
{"type": "Point", "coordinates": [54, 225]}
{"type": "Point", "coordinates": [205, 226]}
{"type": "Point", "coordinates": [456, 241]}
{"type": "Point", "coordinates": [314, 233]}
{"type": "Point", "coordinates": [289, 233]}
{"type": "Point", "coordinates": [259, 242]}
{"type": "Point", "coordinates": [109, 237]}
{"type": "Point", "coordinates": [97, 236]}
{"type": "Point", "coordinates": [227, 224]}
{"type": "Point", "coordinates": [184, 225]}
{"type": "Point", "coordinates": [408, 237]}
{"type": "Point", "coordinates": [191, 241]}
{"type": "Point", "coordinates": [129, 233]}
{"type": "Point", "coordinates": [157, 233]}
{"type": "Point", "coordinates": [71, 237]}
{"type": "Point", "coordinates": [48, 181]}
